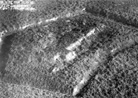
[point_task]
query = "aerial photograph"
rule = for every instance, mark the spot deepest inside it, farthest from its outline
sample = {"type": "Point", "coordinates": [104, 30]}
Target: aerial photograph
{"type": "Point", "coordinates": [68, 48]}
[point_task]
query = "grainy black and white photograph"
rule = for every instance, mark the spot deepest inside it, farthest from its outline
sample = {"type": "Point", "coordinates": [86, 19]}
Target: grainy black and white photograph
{"type": "Point", "coordinates": [68, 48]}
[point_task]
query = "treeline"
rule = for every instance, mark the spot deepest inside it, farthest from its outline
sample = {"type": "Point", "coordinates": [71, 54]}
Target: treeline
{"type": "Point", "coordinates": [112, 10]}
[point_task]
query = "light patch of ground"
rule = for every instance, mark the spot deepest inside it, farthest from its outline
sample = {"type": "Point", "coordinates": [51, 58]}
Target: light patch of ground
{"type": "Point", "coordinates": [70, 56]}
{"type": "Point", "coordinates": [18, 5]}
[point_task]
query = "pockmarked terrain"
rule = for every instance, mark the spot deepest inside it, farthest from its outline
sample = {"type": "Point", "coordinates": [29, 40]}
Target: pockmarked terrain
{"type": "Point", "coordinates": [91, 53]}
